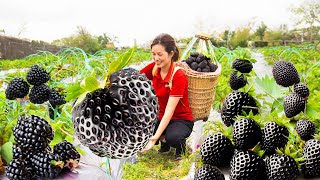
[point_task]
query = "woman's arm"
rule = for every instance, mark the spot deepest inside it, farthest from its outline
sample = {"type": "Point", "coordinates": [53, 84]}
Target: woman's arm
{"type": "Point", "coordinates": [168, 113]}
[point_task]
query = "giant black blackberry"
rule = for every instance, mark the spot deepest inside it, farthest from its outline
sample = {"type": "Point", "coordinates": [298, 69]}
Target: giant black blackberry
{"type": "Point", "coordinates": [242, 65]}
{"type": "Point", "coordinates": [17, 88]}
{"type": "Point", "coordinates": [274, 136]}
{"type": "Point", "coordinates": [247, 165]}
{"type": "Point", "coordinates": [246, 133]}
{"type": "Point", "coordinates": [117, 121]}
{"type": "Point", "coordinates": [281, 166]}
{"type": "Point", "coordinates": [235, 104]}
{"type": "Point", "coordinates": [67, 153]}
{"type": "Point", "coordinates": [19, 170]}
{"type": "Point", "coordinates": [207, 172]}
{"type": "Point", "coordinates": [33, 133]}
{"type": "Point", "coordinates": [39, 94]}
{"type": "Point", "coordinates": [285, 73]}
{"type": "Point", "coordinates": [311, 154]}
{"type": "Point", "coordinates": [46, 164]}
{"type": "Point", "coordinates": [216, 150]}
{"type": "Point", "coordinates": [37, 75]}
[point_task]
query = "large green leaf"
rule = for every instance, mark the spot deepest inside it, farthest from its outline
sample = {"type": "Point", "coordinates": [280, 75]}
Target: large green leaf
{"type": "Point", "coordinates": [90, 83]}
{"type": "Point", "coordinates": [270, 87]}
{"type": "Point", "coordinates": [6, 151]}
{"type": "Point", "coordinates": [311, 111]}
{"type": "Point", "coordinates": [74, 91]}
{"type": "Point", "coordinates": [121, 62]}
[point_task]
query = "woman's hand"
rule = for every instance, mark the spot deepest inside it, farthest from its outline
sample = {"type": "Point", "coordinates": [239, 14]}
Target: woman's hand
{"type": "Point", "coordinates": [151, 143]}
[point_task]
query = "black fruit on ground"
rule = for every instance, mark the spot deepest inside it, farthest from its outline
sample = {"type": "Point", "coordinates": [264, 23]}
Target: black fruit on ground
{"type": "Point", "coordinates": [19, 170]}
{"type": "Point", "coordinates": [39, 94]}
{"type": "Point", "coordinates": [242, 65]}
{"type": "Point", "coordinates": [293, 105]}
{"type": "Point", "coordinates": [33, 133]}
{"type": "Point", "coordinates": [311, 153]}
{"type": "Point", "coordinates": [46, 164]}
{"type": "Point", "coordinates": [67, 153]}
{"type": "Point", "coordinates": [285, 73]}
{"type": "Point", "coordinates": [281, 166]}
{"type": "Point", "coordinates": [235, 104]}
{"type": "Point", "coordinates": [274, 136]}
{"type": "Point", "coordinates": [118, 121]}
{"type": "Point", "coordinates": [305, 129]}
{"type": "Point", "coordinates": [301, 89]}
{"type": "Point", "coordinates": [207, 172]}
{"type": "Point", "coordinates": [37, 75]}
{"type": "Point", "coordinates": [247, 165]}
{"type": "Point", "coordinates": [237, 81]}
{"type": "Point", "coordinates": [246, 133]}
{"type": "Point", "coordinates": [17, 88]}
{"type": "Point", "coordinates": [216, 150]}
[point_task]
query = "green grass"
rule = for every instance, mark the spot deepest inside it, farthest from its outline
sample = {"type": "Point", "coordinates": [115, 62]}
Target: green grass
{"type": "Point", "coordinates": [152, 165]}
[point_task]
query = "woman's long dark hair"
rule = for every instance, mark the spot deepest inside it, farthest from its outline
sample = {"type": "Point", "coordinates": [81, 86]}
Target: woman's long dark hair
{"type": "Point", "coordinates": [169, 44]}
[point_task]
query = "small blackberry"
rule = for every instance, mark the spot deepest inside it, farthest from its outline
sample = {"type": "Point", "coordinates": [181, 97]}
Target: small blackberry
{"type": "Point", "coordinates": [236, 103]}
{"type": "Point", "coordinates": [285, 73]}
{"type": "Point", "coordinates": [39, 94]}
{"type": "Point", "coordinates": [236, 82]}
{"type": "Point", "coordinates": [293, 104]}
{"type": "Point", "coordinates": [37, 75]}
{"type": "Point", "coordinates": [17, 88]}
{"type": "Point", "coordinates": [305, 129]}
{"type": "Point", "coordinates": [301, 89]}
{"type": "Point", "coordinates": [216, 150]}
{"type": "Point", "coordinates": [33, 133]}
{"type": "Point", "coordinates": [55, 99]}
{"type": "Point", "coordinates": [242, 65]}
{"type": "Point", "coordinates": [46, 164]}
{"type": "Point", "coordinates": [19, 170]}
{"type": "Point", "coordinates": [67, 153]}
{"type": "Point", "coordinates": [208, 171]}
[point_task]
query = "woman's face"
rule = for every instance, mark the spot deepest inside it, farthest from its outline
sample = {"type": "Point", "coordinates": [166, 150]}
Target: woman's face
{"type": "Point", "coordinates": [160, 56]}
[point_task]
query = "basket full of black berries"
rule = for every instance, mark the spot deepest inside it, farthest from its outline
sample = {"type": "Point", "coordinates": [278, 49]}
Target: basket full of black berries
{"type": "Point", "coordinates": [202, 71]}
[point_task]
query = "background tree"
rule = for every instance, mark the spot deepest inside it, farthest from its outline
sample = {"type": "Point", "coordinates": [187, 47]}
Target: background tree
{"type": "Point", "coordinates": [241, 37]}
{"type": "Point", "coordinates": [308, 14]}
{"type": "Point", "coordinates": [82, 39]}
{"type": "Point", "coordinates": [260, 31]}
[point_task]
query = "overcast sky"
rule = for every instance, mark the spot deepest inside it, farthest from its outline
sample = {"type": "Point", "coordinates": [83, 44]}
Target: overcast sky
{"type": "Point", "coordinates": [136, 19]}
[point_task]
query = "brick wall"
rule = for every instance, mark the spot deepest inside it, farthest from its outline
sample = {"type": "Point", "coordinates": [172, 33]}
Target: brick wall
{"type": "Point", "coordinates": [15, 48]}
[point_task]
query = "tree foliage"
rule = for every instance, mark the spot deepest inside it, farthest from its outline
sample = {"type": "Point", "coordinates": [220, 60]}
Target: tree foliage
{"type": "Point", "coordinates": [84, 40]}
{"type": "Point", "coordinates": [308, 14]}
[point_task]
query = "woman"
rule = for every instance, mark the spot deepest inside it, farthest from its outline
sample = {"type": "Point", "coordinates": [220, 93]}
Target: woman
{"type": "Point", "coordinates": [175, 120]}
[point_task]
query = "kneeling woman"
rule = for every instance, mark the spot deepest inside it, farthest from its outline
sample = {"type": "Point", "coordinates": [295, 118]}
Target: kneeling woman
{"type": "Point", "coordinates": [175, 120]}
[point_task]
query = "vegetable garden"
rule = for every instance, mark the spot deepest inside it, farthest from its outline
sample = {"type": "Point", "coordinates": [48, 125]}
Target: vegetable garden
{"type": "Point", "coordinates": [273, 117]}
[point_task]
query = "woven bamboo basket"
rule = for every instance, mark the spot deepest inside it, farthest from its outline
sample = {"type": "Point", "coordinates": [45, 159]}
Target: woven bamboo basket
{"type": "Point", "coordinates": [202, 88]}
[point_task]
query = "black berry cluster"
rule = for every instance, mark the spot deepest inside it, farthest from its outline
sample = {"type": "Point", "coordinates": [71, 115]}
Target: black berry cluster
{"type": "Point", "coordinates": [32, 155]}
